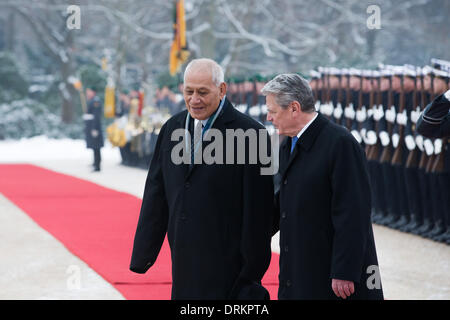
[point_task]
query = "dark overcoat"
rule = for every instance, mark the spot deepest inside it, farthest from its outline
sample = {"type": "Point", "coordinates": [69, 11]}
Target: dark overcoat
{"type": "Point", "coordinates": [434, 121]}
{"type": "Point", "coordinates": [325, 225]}
{"type": "Point", "coordinates": [93, 121]}
{"type": "Point", "coordinates": [217, 217]}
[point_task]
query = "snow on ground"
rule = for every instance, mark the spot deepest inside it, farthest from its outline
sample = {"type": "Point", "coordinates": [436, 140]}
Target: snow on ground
{"type": "Point", "coordinates": [41, 148]}
{"type": "Point", "coordinates": [411, 267]}
{"type": "Point", "coordinates": [34, 264]}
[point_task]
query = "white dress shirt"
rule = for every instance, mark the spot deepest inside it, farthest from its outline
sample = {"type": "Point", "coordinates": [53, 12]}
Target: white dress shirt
{"type": "Point", "coordinates": [306, 126]}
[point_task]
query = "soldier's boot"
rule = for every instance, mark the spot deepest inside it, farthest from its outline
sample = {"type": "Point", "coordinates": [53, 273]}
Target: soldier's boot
{"type": "Point", "coordinates": [439, 228]}
{"type": "Point", "coordinates": [404, 220]}
{"type": "Point", "coordinates": [443, 236]}
{"type": "Point", "coordinates": [413, 224]}
{"type": "Point", "coordinates": [377, 215]}
{"type": "Point", "coordinates": [390, 220]}
{"type": "Point", "coordinates": [427, 226]}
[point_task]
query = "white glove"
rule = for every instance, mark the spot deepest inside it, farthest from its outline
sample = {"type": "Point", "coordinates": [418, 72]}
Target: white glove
{"type": "Point", "coordinates": [327, 109]}
{"type": "Point", "coordinates": [317, 105]}
{"type": "Point", "coordinates": [361, 115]}
{"type": "Point", "coordinates": [395, 139]}
{"type": "Point", "coordinates": [419, 142]}
{"type": "Point", "coordinates": [371, 138]}
{"type": "Point", "coordinates": [429, 148]}
{"type": "Point", "coordinates": [264, 109]}
{"type": "Point", "coordinates": [363, 132]}
{"type": "Point", "coordinates": [94, 133]}
{"type": "Point", "coordinates": [415, 114]}
{"type": "Point", "coordinates": [402, 118]}
{"type": "Point", "coordinates": [384, 138]}
{"type": "Point", "coordinates": [349, 111]}
{"type": "Point", "coordinates": [254, 111]}
{"type": "Point", "coordinates": [437, 146]}
{"type": "Point", "coordinates": [337, 113]}
{"type": "Point", "coordinates": [410, 143]}
{"type": "Point", "coordinates": [391, 114]}
{"type": "Point", "coordinates": [378, 113]}
{"type": "Point", "coordinates": [242, 107]}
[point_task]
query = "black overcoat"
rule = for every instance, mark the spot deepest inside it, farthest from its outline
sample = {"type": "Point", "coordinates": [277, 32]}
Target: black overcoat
{"type": "Point", "coordinates": [324, 206]}
{"type": "Point", "coordinates": [434, 121]}
{"type": "Point", "coordinates": [93, 121]}
{"type": "Point", "coordinates": [217, 217]}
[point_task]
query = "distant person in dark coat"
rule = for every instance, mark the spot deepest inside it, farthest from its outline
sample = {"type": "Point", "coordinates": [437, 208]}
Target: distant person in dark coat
{"type": "Point", "coordinates": [327, 248]}
{"type": "Point", "coordinates": [218, 217]}
{"type": "Point", "coordinates": [93, 126]}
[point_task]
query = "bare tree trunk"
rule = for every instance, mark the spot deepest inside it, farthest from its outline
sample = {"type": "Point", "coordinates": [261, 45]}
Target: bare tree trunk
{"type": "Point", "coordinates": [208, 40]}
{"type": "Point", "coordinates": [10, 32]}
{"type": "Point", "coordinates": [60, 47]}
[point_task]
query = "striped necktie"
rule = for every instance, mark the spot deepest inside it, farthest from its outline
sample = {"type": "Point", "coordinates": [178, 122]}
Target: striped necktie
{"type": "Point", "coordinates": [196, 140]}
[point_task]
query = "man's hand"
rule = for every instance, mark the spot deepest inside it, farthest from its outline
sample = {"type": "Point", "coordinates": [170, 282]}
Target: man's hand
{"type": "Point", "coordinates": [342, 288]}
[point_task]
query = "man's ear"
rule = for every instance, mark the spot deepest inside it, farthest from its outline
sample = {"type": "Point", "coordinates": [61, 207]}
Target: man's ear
{"type": "Point", "coordinates": [223, 89]}
{"type": "Point", "coordinates": [296, 108]}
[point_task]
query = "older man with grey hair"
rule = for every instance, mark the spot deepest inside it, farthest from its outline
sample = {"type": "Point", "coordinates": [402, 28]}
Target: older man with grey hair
{"type": "Point", "coordinates": [327, 248]}
{"type": "Point", "coordinates": [217, 217]}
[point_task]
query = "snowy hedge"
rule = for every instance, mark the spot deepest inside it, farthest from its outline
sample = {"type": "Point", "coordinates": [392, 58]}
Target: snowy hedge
{"type": "Point", "coordinates": [27, 118]}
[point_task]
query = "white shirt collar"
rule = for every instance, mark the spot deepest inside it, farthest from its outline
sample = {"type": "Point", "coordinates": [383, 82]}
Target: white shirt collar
{"type": "Point", "coordinates": [203, 122]}
{"type": "Point", "coordinates": [306, 126]}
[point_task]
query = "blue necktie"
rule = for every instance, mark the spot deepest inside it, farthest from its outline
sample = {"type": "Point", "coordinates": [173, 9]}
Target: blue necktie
{"type": "Point", "coordinates": [293, 142]}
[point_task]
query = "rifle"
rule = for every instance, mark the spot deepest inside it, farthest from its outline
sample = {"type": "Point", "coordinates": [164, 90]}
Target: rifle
{"type": "Point", "coordinates": [329, 93]}
{"type": "Point", "coordinates": [255, 100]}
{"type": "Point", "coordinates": [413, 161]}
{"type": "Point", "coordinates": [322, 89]}
{"type": "Point", "coordinates": [348, 100]}
{"type": "Point", "coordinates": [439, 162]}
{"type": "Point", "coordinates": [432, 157]}
{"type": "Point", "coordinates": [398, 152]}
{"type": "Point", "coordinates": [315, 78]}
{"type": "Point", "coordinates": [376, 98]}
{"type": "Point", "coordinates": [360, 100]}
{"type": "Point", "coordinates": [319, 90]}
{"type": "Point", "coordinates": [336, 113]}
{"type": "Point", "coordinates": [371, 104]}
{"type": "Point", "coordinates": [327, 103]}
{"type": "Point", "coordinates": [386, 154]}
{"type": "Point", "coordinates": [423, 103]}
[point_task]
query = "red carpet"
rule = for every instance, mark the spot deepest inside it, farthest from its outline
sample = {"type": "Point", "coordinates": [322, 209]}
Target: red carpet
{"type": "Point", "coordinates": [96, 224]}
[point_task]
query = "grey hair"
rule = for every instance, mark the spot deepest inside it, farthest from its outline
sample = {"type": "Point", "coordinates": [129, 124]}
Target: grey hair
{"type": "Point", "coordinates": [290, 87]}
{"type": "Point", "coordinates": [216, 70]}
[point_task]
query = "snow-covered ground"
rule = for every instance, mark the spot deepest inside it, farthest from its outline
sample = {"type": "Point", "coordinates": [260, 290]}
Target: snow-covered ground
{"type": "Point", "coordinates": [411, 267]}
{"type": "Point", "coordinates": [41, 148]}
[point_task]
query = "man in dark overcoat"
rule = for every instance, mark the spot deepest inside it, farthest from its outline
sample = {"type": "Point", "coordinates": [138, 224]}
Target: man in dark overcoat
{"type": "Point", "coordinates": [327, 248]}
{"type": "Point", "coordinates": [218, 217]}
{"type": "Point", "coordinates": [93, 126]}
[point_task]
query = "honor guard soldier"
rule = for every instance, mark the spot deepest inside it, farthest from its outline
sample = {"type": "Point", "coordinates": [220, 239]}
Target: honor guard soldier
{"type": "Point", "coordinates": [434, 123]}
{"type": "Point", "coordinates": [93, 125]}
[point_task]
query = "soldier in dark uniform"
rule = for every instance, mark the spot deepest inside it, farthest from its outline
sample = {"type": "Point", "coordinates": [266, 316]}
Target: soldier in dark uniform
{"type": "Point", "coordinates": [93, 126]}
{"type": "Point", "coordinates": [415, 148]}
{"type": "Point", "coordinates": [434, 122]}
